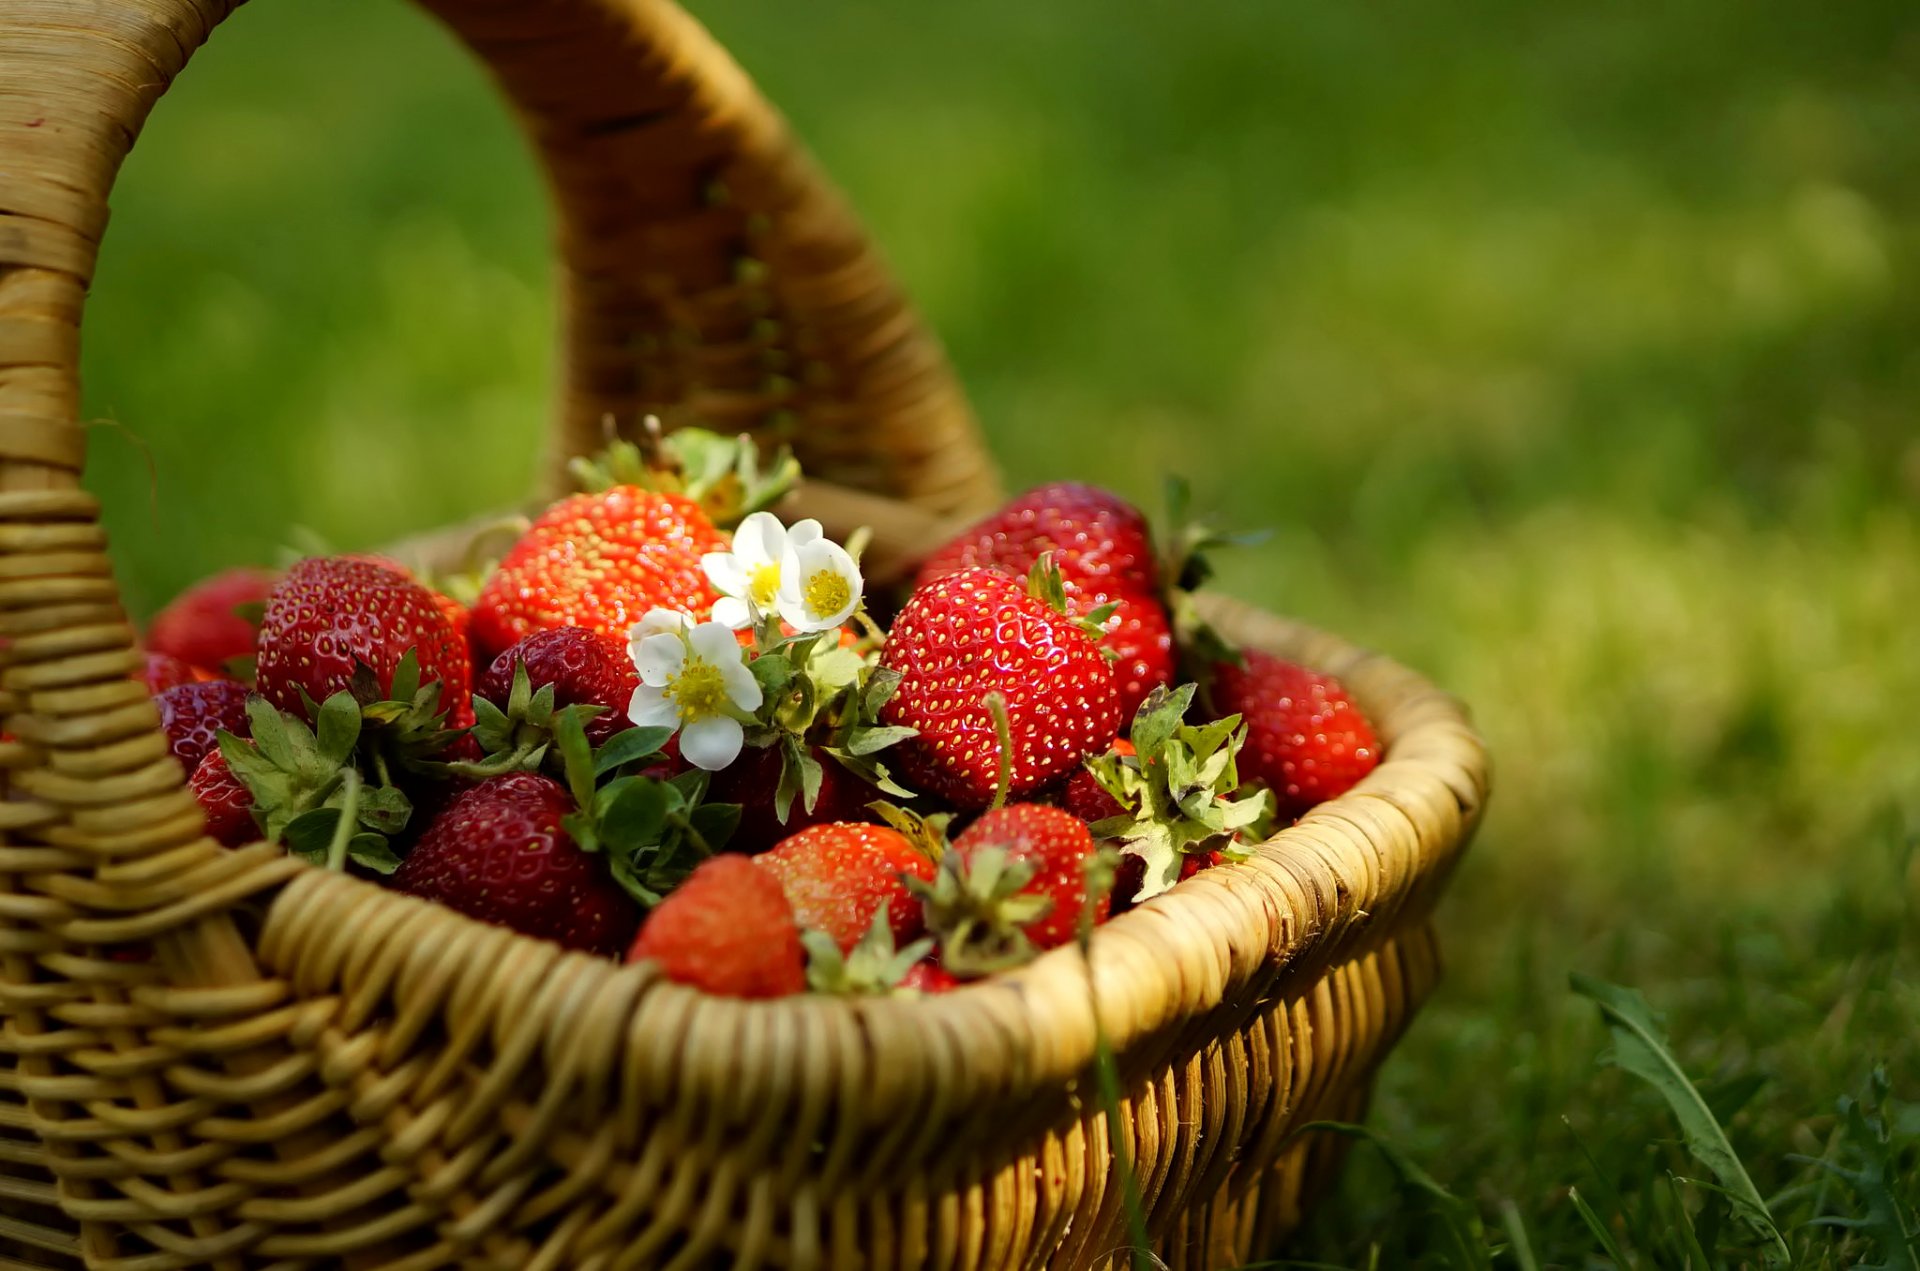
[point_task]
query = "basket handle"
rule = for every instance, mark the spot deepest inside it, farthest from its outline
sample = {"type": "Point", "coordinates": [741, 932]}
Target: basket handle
{"type": "Point", "coordinates": [705, 271]}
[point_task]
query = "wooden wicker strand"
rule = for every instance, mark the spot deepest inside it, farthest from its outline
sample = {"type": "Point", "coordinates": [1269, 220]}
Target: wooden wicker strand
{"type": "Point", "coordinates": [228, 1059]}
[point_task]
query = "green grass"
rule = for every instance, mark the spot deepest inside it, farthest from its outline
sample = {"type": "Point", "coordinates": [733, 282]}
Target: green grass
{"type": "Point", "coordinates": [1573, 355]}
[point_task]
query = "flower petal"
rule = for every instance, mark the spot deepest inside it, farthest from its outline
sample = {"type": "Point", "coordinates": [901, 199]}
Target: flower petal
{"type": "Point", "coordinates": [657, 621]}
{"type": "Point", "coordinates": [712, 743]}
{"type": "Point", "coordinates": [800, 533]}
{"type": "Point", "coordinates": [660, 658]}
{"type": "Point", "coordinates": [798, 591]}
{"type": "Point", "coordinates": [760, 540]}
{"type": "Point", "coordinates": [724, 571]}
{"type": "Point", "coordinates": [715, 642]}
{"type": "Point", "coordinates": [733, 613]}
{"type": "Point", "coordinates": [742, 689]}
{"type": "Point", "coordinates": [651, 708]}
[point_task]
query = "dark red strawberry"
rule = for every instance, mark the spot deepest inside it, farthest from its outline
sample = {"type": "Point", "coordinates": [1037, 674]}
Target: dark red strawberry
{"type": "Point", "coordinates": [837, 877]}
{"type": "Point", "coordinates": [330, 612]}
{"type": "Point", "coordinates": [204, 626]}
{"type": "Point", "coordinates": [193, 714]}
{"type": "Point", "coordinates": [1306, 740]}
{"type": "Point", "coordinates": [498, 853]}
{"type": "Point", "coordinates": [162, 671]}
{"type": "Point", "coordinates": [599, 561]}
{"type": "Point", "coordinates": [727, 930]}
{"type": "Point", "coordinates": [584, 667]}
{"type": "Point", "coordinates": [1087, 798]}
{"type": "Point", "coordinates": [752, 780]}
{"type": "Point", "coordinates": [227, 804]}
{"type": "Point", "coordinates": [978, 632]}
{"type": "Point", "coordinates": [1099, 541]}
{"type": "Point", "coordinates": [1015, 883]}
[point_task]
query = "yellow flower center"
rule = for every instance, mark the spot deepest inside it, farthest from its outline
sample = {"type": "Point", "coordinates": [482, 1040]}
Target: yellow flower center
{"type": "Point", "coordinates": [827, 593]}
{"type": "Point", "coordinates": [699, 690]}
{"type": "Point", "coordinates": [765, 585]}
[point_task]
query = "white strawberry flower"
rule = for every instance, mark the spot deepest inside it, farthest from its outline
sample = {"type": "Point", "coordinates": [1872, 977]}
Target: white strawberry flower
{"type": "Point", "coordinates": [749, 577]}
{"type": "Point", "coordinates": [694, 680]}
{"type": "Point", "coordinates": [820, 586]}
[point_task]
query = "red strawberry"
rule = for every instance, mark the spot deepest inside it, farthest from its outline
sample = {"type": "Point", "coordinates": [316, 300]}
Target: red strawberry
{"type": "Point", "coordinates": [584, 667]}
{"type": "Point", "coordinates": [162, 671]}
{"type": "Point", "coordinates": [329, 612]}
{"type": "Point", "coordinates": [1087, 798]}
{"type": "Point", "coordinates": [979, 632]}
{"type": "Point", "coordinates": [838, 876]}
{"type": "Point", "coordinates": [599, 561]}
{"type": "Point", "coordinates": [1306, 740]}
{"type": "Point", "coordinates": [726, 930]}
{"type": "Point", "coordinates": [928, 976]}
{"type": "Point", "coordinates": [1139, 637]}
{"type": "Point", "coordinates": [1099, 541]}
{"type": "Point", "coordinates": [203, 628]}
{"type": "Point", "coordinates": [192, 714]}
{"type": "Point", "coordinates": [752, 780]}
{"type": "Point", "coordinates": [1102, 548]}
{"type": "Point", "coordinates": [1013, 884]}
{"type": "Point", "coordinates": [498, 853]}
{"type": "Point", "coordinates": [227, 804]}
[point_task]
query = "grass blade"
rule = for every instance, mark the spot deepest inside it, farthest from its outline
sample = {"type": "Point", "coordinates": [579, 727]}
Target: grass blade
{"type": "Point", "coordinates": [1639, 1047]}
{"type": "Point", "coordinates": [1516, 1229]}
{"type": "Point", "coordinates": [1608, 1244]}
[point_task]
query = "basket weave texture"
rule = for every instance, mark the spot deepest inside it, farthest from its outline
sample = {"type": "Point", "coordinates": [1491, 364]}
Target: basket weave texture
{"type": "Point", "coordinates": [229, 1059]}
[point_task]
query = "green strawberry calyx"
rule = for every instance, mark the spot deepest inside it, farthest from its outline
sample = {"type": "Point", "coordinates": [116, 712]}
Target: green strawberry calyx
{"type": "Point", "coordinates": [872, 966]}
{"type": "Point", "coordinates": [308, 791]}
{"type": "Point", "coordinates": [653, 831]}
{"type": "Point", "coordinates": [816, 695]}
{"type": "Point", "coordinates": [1046, 584]}
{"type": "Point", "coordinates": [978, 909]}
{"type": "Point", "coordinates": [1177, 790]}
{"type": "Point", "coordinates": [722, 474]}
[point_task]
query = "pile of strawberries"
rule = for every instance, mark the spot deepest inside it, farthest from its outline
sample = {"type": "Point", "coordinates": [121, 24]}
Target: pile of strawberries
{"type": "Point", "coordinates": [666, 726]}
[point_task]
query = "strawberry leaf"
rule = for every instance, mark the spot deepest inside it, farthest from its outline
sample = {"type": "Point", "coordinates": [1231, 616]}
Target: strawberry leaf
{"type": "Point", "coordinates": [576, 755]}
{"type": "Point", "coordinates": [371, 851]}
{"type": "Point", "coordinates": [634, 809]}
{"type": "Point", "coordinates": [716, 822]}
{"type": "Point", "coordinates": [629, 746]}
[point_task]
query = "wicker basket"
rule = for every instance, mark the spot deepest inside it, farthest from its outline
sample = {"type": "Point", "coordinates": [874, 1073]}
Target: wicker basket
{"type": "Point", "coordinates": [229, 1059]}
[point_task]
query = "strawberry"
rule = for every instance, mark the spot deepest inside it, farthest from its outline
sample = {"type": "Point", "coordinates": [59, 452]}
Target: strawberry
{"type": "Point", "coordinates": [192, 716]}
{"type": "Point", "coordinates": [585, 668]}
{"type": "Point", "coordinates": [499, 853]}
{"type": "Point", "coordinates": [838, 876]}
{"type": "Point", "coordinates": [1098, 540]}
{"type": "Point", "coordinates": [979, 632]}
{"type": "Point", "coordinates": [1016, 882]}
{"type": "Point", "coordinates": [727, 930]}
{"type": "Point", "coordinates": [162, 671]}
{"type": "Point", "coordinates": [1306, 740]}
{"type": "Point", "coordinates": [753, 780]}
{"type": "Point", "coordinates": [1102, 548]}
{"type": "Point", "coordinates": [206, 625]}
{"type": "Point", "coordinates": [330, 613]}
{"type": "Point", "coordinates": [1086, 798]}
{"type": "Point", "coordinates": [227, 805]}
{"type": "Point", "coordinates": [599, 561]}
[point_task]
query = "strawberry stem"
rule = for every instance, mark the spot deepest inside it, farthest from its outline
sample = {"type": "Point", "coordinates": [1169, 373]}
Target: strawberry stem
{"type": "Point", "coordinates": [343, 829]}
{"type": "Point", "coordinates": [1003, 734]}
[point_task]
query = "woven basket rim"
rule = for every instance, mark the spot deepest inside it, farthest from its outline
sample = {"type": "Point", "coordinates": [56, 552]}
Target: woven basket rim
{"type": "Point", "coordinates": [1231, 932]}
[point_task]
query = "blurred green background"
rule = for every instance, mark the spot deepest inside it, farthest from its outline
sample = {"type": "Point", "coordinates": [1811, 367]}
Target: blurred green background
{"type": "Point", "coordinates": [1572, 354]}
